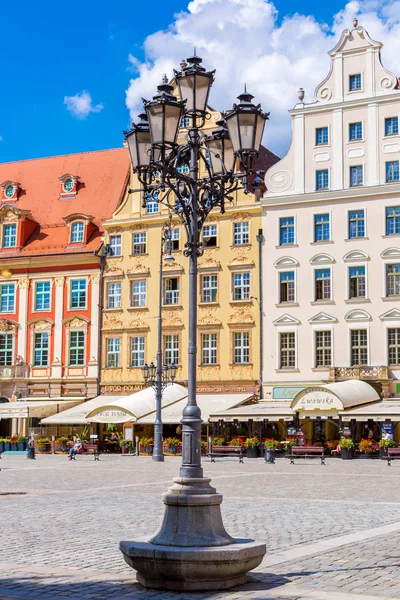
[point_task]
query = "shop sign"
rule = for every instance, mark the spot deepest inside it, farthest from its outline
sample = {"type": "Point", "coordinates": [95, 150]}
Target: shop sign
{"type": "Point", "coordinates": [13, 413]}
{"type": "Point", "coordinates": [110, 415]}
{"type": "Point", "coordinates": [387, 431]}
{"type": "Point", "coordinates": [317, 399]}
{"type": "Point", "coordinates": [286, 393]}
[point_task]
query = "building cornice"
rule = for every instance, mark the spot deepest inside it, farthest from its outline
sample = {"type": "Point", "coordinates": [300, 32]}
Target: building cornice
{"type": "Point", "coordinates": [301, 109]}
{"type": "Point", "coordinates": [359, 193]}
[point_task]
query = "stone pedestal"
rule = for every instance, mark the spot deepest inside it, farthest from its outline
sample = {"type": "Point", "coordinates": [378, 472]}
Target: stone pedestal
{"type": "Point", "coordinates": [192, 550]}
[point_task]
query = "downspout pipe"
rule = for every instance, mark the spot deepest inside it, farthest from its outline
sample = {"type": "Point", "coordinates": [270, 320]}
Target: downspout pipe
{"type": "Point", "coordinates": [102, 254]}
{"type": "Point", "coordinates": [260, 240]}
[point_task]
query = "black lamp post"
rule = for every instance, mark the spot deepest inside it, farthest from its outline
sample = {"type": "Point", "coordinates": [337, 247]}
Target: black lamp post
{"type": "Point", "coordinates": [157, 376]}
{"type": "Point", "coordinates": [192, 517]}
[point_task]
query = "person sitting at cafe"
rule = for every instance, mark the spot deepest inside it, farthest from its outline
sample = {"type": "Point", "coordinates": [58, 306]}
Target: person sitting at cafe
{"type": "Point", "coordinates": [77, 447]}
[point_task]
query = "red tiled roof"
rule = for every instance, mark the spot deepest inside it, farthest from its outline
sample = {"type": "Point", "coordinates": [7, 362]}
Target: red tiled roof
{"type": "Point", "coordinates": [103, 176]}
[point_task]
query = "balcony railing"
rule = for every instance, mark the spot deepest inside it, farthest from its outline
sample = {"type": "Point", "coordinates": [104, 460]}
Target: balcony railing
{"type": "Point", "coordinates": [359, 372]}
{"type": "Point", "coordinates": [14, 372]}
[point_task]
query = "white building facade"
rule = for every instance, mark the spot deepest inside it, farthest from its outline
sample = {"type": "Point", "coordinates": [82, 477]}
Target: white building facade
{"type": "Point", "coordinates": [331, 225]}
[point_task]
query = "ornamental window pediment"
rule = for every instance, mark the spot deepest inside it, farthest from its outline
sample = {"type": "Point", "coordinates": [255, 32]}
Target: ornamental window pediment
{"type": "Point", "coordinates": [391, 315]}
{"type": "Point", "coordinates": [391, 253]}
{"type": "Point", "coordinates": [322, 259]}
{"type": "Point", "coordinates": [356, 255]}
{"type": "Point", "coordinates": [286, 261]}
{"type": "Point", "coordinates": [322, 317]}
{"type": "Point", "coordinates": [10, 191]}
{"type": "Point", "coordinates": [287, 320]}
{"type": "Point", "coordinates": [358, 315]}
{"type": "Point", "coordinates": [69, 185]}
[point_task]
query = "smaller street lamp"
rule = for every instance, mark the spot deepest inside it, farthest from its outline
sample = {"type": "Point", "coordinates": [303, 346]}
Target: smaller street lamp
{"type": "Point", "coordinates": [194, 84]}
{"type": "Point", "coordinates": [139, 143]}
{"type": "Point", "coordinates": [219, 146]}
{"type": "Point", "coordinates": [164, 113]}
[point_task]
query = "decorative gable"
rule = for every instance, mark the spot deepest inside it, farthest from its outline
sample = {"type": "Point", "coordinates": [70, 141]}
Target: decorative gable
{"type": "Point", "coordinates": [358, 315]}
{"type": "Point", "coordinates": [355, 255]}
{"type": "Point", "coordinates": [286, 261]}
{"type": "Point", "coordinates": [391, 253]}
{"type": "Point", "coordinates": [322, 317]}
{"type": "Point", "coordinates": [287, 320]}
{"type": "Point", "coordinates": [322, 259]}
{"type": "Point", "coordinates": [391, 315]}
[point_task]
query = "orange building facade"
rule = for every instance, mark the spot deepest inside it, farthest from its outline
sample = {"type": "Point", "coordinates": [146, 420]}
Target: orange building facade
{"type": "Point", "coordinates": [51, 217]}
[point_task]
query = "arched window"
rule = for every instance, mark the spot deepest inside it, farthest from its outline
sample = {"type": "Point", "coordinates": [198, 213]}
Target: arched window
{"type": "Point", "coordinates": [77, 230]}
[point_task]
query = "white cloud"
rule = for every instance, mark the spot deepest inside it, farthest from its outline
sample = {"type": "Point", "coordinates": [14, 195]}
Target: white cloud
{"type": "Point", "coordinates": [243, 40]}
{"type": "Point", "coordinates": [81, 105]}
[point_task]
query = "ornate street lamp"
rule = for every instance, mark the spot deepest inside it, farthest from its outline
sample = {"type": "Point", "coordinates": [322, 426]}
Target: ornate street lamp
{"type": "Point", "coordinates": [157, 376]}
{"type": "Point", "coordinates": [192, 518]}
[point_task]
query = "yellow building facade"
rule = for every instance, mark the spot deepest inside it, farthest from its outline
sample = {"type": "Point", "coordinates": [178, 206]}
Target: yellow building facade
{"type": "Point", "coordinates": [228, 297]}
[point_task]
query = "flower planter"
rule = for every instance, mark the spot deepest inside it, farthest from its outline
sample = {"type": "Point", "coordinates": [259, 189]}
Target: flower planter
{"type": "Point", "coordinates": [148, 449]}
{"type": "Point", "coordinates": [124, 450]}
{"type": "Point", "coordinates": [21, 446]}
{"type": "Point", "coordinates": [269, 455]}
{"type": "Point", "coordinates": [7, 446]}
{"type": "Point", "coordinates": [14, 447]}
{"type": "Point", "coordinates": [252, 452]}
{"type": "Point", "coordinates": [346, 453]}
{"type": "Point", "coordinates": [1, 446]}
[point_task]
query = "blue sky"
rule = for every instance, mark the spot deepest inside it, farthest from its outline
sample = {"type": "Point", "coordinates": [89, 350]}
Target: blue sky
{"type": "Point", "coordinates": [51, 51]}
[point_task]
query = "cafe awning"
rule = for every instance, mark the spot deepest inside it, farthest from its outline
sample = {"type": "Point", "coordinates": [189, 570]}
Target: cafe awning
{"type": "Point", "coordinates": [208, 403]}
{"type": "Point", "coordinates": [131, 408]}
{"type": "Point", "coordinates": [34, 408]}
{"type": "Point", "coordinates": [378, 411]}
{"type": "Point", "coordinates": [77, 414]}
{"type": "Point", "coordinates": [334, 397]}
{"type": "Point", "coordinates": [260, 411]}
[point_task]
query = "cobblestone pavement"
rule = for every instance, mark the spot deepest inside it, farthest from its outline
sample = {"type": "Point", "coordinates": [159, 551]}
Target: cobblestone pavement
{"type": "Point", "coordinates": [61, 523]}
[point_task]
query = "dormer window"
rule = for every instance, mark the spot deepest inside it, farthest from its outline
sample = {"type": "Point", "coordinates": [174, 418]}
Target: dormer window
{"type": "Point", "coordinates": [10, 190]}
{"type": "Point", "coordinates": [68, 185]}
{"type": "Point", "coordinates": [9, 236]}
{"type": "Point", "coordinates": [77, 231]}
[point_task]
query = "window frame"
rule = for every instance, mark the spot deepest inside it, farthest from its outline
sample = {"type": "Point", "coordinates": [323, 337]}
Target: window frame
{"type": "Point", "coordinates": [245, 288]}
{"type": "Point", "coordinates": [315, 225]}
{"type": "Point", "coordinates": [362, 176]}
{"type": "Point", "coordinates": [354, 210]}
{"type": "Point", "coordinates": [142, 359]}
{"type": "Point", "coordinates": [41, 349]}
{"type": "Point", "coordinates": [395, 216]}
{"type": "Point", "coordinates": [397, 345]}
{"type": "Point", "coordinates": [242, 348]}
{"type": "Point", "coordinates": [324, 348]}
{"type": "Point", "coordinates": [5, 235]}
{"type": "Point", "coordinates": [35, 295]}
{"type": "Point", "coordinates": [138, 294]}
{"type": "Point", "coordinates": [74, 224]}
{"type": "Point", "coordinates": [392, 162]}
{"type": "Point", "coordinates": [8, 352]}
{"type": "Point", "coordinates": [286, 283]}
{"type": "Point", "coordinates": [13, 295]}
{"type": "Point", "coordinates": [396, 275]}
{"type": "Point", "coordinates": [281, 333]}
{"type": "Point", "coordinates": [209, 288]}
{"type": "Point", "coordinates": [356, 124]}
{"type": "Point", "coordinates": [323, 128]}
{"type": "Point", "coordinates": [323, 188]}
{"type": "Point", "coordinates": [174, 292]}
{"type": "Point", "coordinates": [77, 347]}
{"type": "Point", "coordinates": [141, 245]}
{"type": "Point", "coordinates": [116, 235]}
{"type": "Point", "coordinates": [357, 89]}
{"type": "Point", "coordinates": [211, 350]}
{"type": "Point", "coordinates": [115, 295]}
{"type": "Point", "coordinates": [113, 352]}
{"type": "Point", "coordinates": [208, 244]}
{"type": "Point", "coordinates": [351, 331]}
{"type": "Point", "coordinates": [356, 266]}
{"type": "Point", "coordinates": [386, 119]}
{"type": "Point", "coordinates": [174, 350]}
{"type": "Point", "coordinates": [70, 291]}
{"type": "Point", "coordinates": [323, 279]}
{"type": "Point", "coordinates": [242, 234]}
{"type": "Point", "coordinates": [286, 227]}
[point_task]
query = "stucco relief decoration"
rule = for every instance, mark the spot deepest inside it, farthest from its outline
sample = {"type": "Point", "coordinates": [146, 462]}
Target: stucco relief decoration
{"type": "Point", "coordinates": [113, 262]}
{"type": "Point", "coordinates": [324, 94]}
{"type": "Point", "coordinates": [41, 325]}
{"type": "Point", "coordinates": [77, 323]}
{"type": "Point", "coordinates": [172, 266]}
{"type": "Point", "coordinates": [114, 230]}
{"type": "Point", "coordinates": [279, 181]}
{"type": "Point", "coordinates": [8, 326]}
{"type": "Point", "coordinates": [387, 83]}
{"type": "Point", "coordinates": [210, 263]}
{"type": "Point", "coordinates": [138, 269]}
{"type": "Point", "coordinates": [209, 319]}
{"type": "Point", "coordinates": [23, 283]}
{"type": "Point", "coordinates": [240, 260]}
{"type": "Point", "coordinates": [112, 322]}
{"type": "Point", "coordinates": [241, 315]}
{"type": "Point", "coordinates": [242, 371]}
{"type": "Point", "coordinates": [138, 227]}
{"type": "Point", "coordinates": [113, 272]}
{"type": "Point", "coordinates": [95, 278]}
{"type": "Point", "coordinates": [138, 324]}
{"type": "Point", "coordinates": [212, 219]}
{"type": "Point", "coordinates": [171, 320]}
{"type": "Point", "coordinates": [209, 309]}
{"type": "Point", "coordinates": [237, 217]}
{"type": "Point", "coordinates": [59, 281]}
{"type": "Point", "coordinates": [209, 373]}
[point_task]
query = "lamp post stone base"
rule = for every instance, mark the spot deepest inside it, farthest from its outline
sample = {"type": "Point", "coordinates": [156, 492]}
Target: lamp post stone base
{"type": "Point", "coordinates": [192, 550]}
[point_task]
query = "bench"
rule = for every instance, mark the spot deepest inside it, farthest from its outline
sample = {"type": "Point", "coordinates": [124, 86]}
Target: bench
{"type": "Point", "coordinates": [88, 449]}
{"type": "Point", "coordinates": [306, 452]}
{"type": "Point", "coordinates": [226, 451]}
{"type": "Point", "coordinates": [393, 454]}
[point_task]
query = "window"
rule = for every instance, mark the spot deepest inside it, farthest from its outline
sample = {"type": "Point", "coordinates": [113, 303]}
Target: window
{"type": "Point", "coordinates": [287, 350]}
{"type": "Point", "coordinates": [78, 293]}
{"type": "Point", "coordinates": [355, 82]}
{"type": "Point", "coordinates": [393, 280]}
{"type": "Point", "coordinates": [76, 348]}
{"type": "Point", "coordinates": [6, 350]}
{"type": "Point", "coordinates": [7, 301]}
{"type": "Point", "coordinates": [394, 346]}
{"type": "Point", "coordinates": [356, 131]}
{"type": "Point", "coordinates": [241, 233]}
{"type": "Point", "coordinates": [139, 243]}
{"type": "Point", "coordinates": [77, 229]}
{"type": "Point", "coordinates": [115, 245]}
{"type": "Point", "coordinates": [209, 349]}
{"type": "Point", "coordinates": [114, 295]}
{"type": "Point", "coordinates": [286, 230]}
{"type": "Point", "coordinates": [171, 349]}
{"type": "Point", "coordinates": [356, 224]}
{"type": "Point", "coordinates": [152, 203]}
{"type": "Point", "coordinates": [241, 286]}
{"type": "Point", "coordinates": [359, 347]}
{"type": "Point", "coordinates": [209, 288]}
{"type": "Point", "coordinates": [138, 293]}
{"type": "Point", "coordinates": [174, 240]}
{"type": "Point", "coordinates": [41, 349]}
{"type": "Point", "coordinates": [357, 282]}
{"type": "Point", "coordinates": [392, 171]}
{"type": "Point", "coordinates": [183, 169]}
{"type": "Point", "coordinates": [241, 347]}
{"type": "Point", "coordinates": [210, 236]}
{"type": "Point", "coordinates": [392, 220]}
{"type": "Point", "coordinates": [322, 227]}
{"type": "Point", "coordinates": [323, 349]}
{"type": "Point", "coordinates": [9, 236]}
{"type": "Point", "coordinates": [112, 358]}
{"type": "Point", "coordinates": [392, 126]}
{"type": "Point", "coordinates": [184, 122]}
{"type": "Point", "coordinates": [322, 284]}
{"type": "Point", "coordinates": [9, 193]}
{"type": "Point", "coordinates": [286, 286]}
{"type": "Point", "coordinates": [322, 179]}
{"type": "Point", "coordinates": [68, 185]}
{"type": "Point", "coordinates": [356, 175]}
{"type": "Point", "coordinates": [321, 136]}
{"type": "Point", "coordinates": [137, 351]}
{"type": "Point", "coordinates": [171, 290]}
{"type": "Point", "coordinates": [42, 295]}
